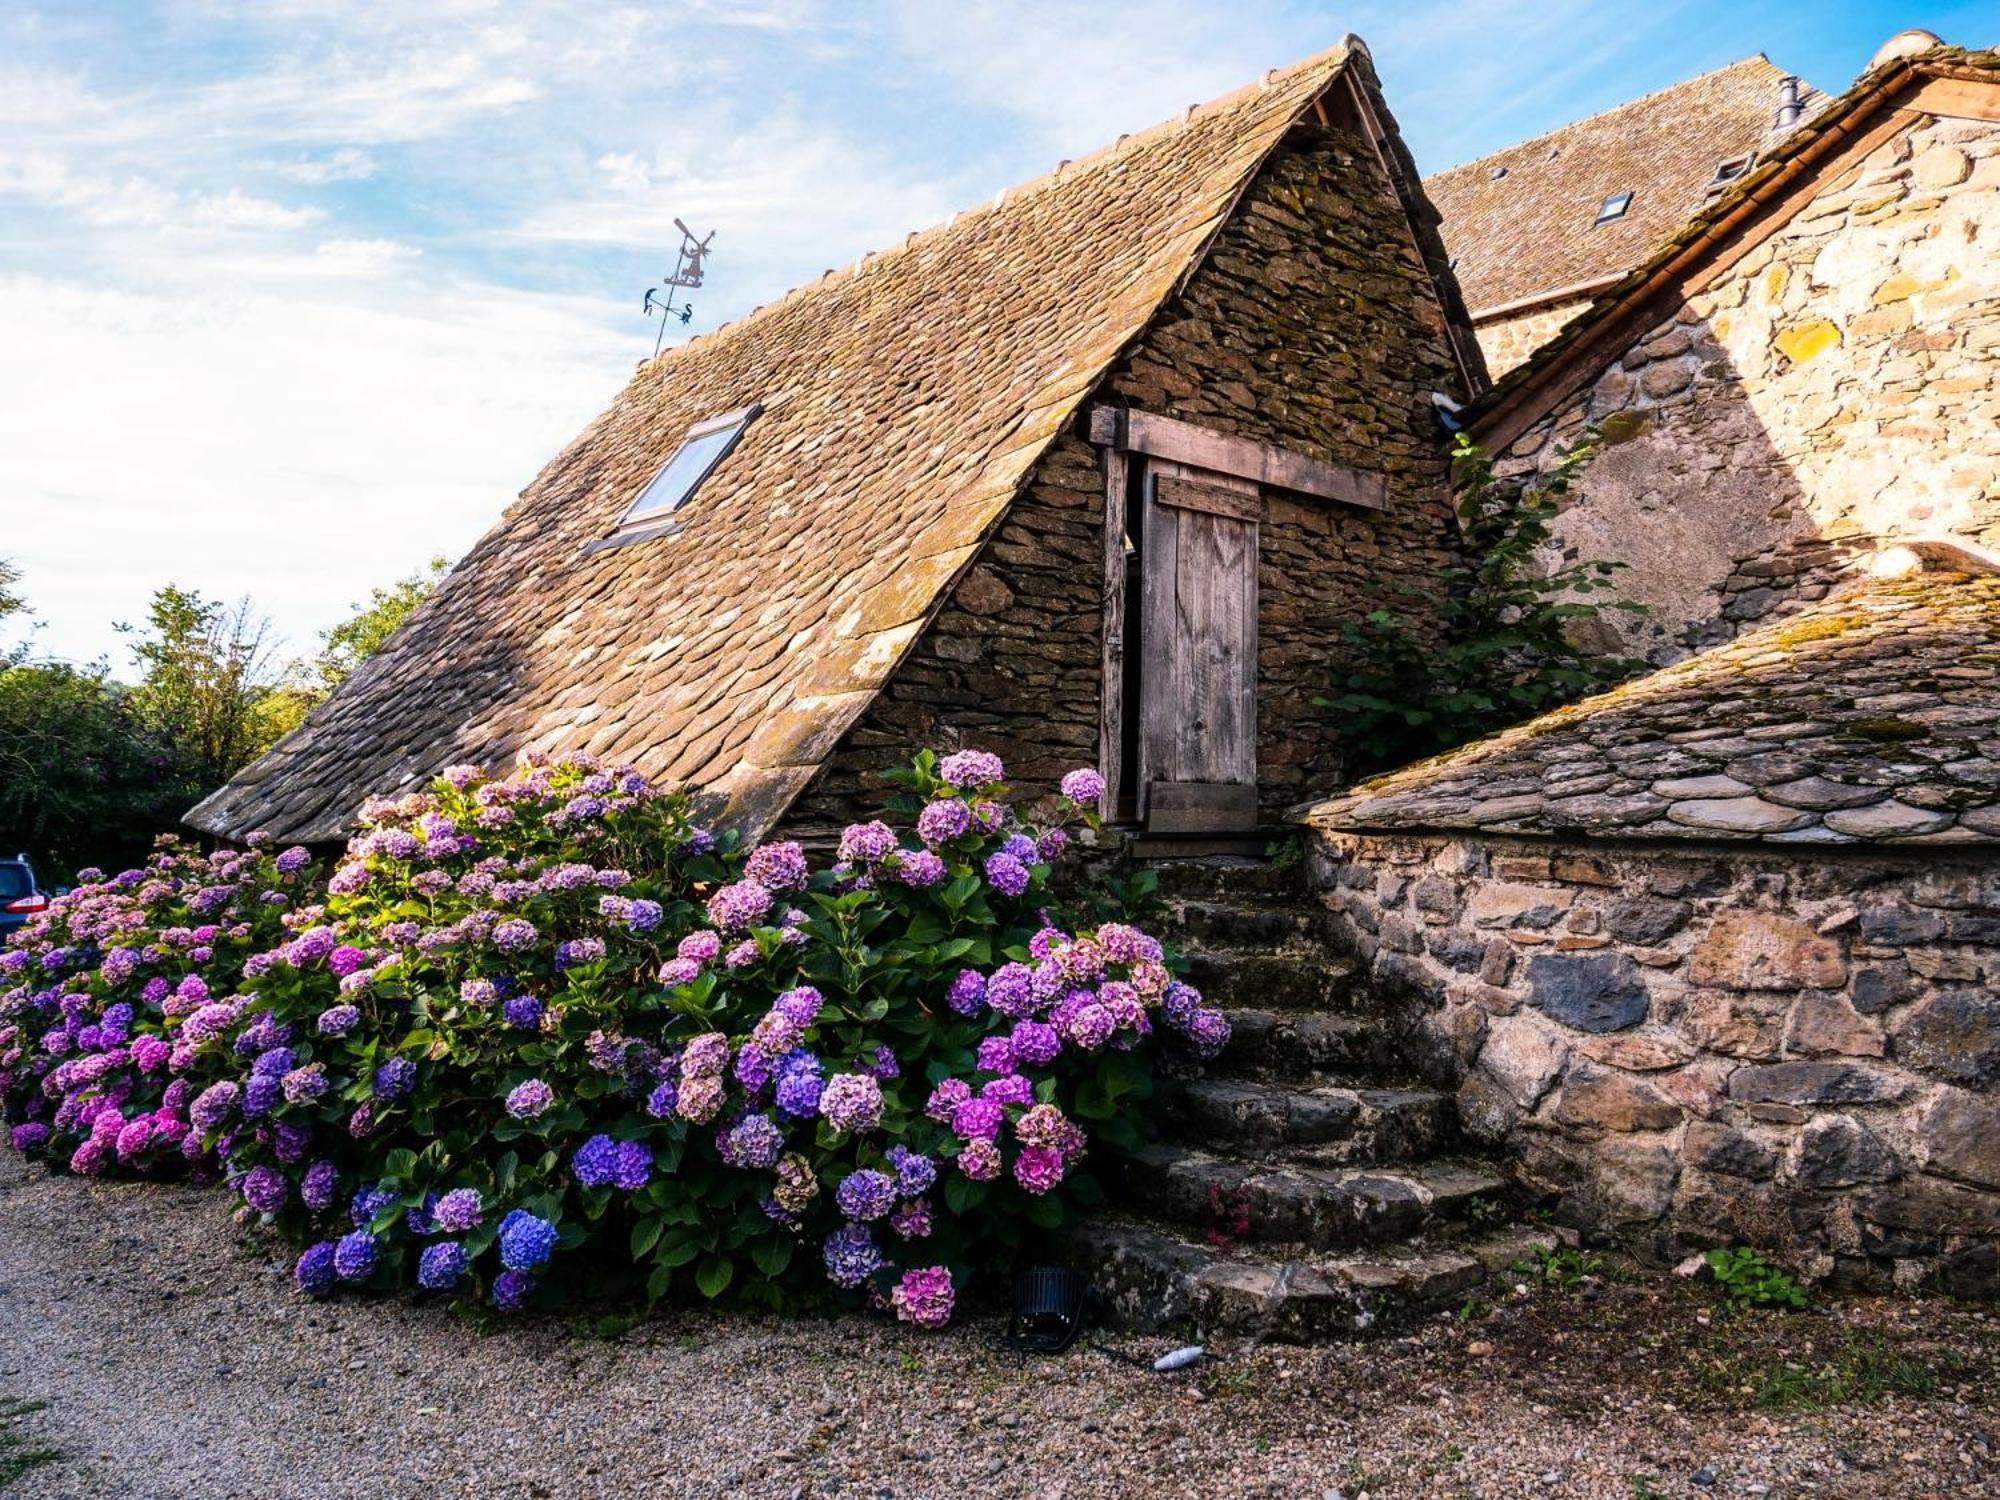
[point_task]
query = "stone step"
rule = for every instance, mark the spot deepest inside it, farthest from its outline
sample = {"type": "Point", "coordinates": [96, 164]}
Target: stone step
{"type": "Point", "coordinates": [1227, 878]}
{"type": "Point", "coordinates": [1206, 925]}
{"type": "Point", "coordinates": [1338, 1122]}
{"type": "Point", "coordinates": [1327, 1207]}
{"type": "Point", "coordinates": [1279, 981]}
{"type": "Point", "coordinates": [1152, 1280]}
{"type": "Point", "coordinates": [1291, 1043]}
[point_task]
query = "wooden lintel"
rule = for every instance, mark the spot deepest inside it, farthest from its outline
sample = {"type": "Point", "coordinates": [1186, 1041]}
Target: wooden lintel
{"type": "Point", "coordinates": [1199, 807]}
{"type": "Point", "coordinates": [1242, 458]}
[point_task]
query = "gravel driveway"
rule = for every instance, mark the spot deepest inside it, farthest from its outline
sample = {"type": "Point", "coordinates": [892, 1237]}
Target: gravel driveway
{"type": "Point", "coordinates": [176, 1361]}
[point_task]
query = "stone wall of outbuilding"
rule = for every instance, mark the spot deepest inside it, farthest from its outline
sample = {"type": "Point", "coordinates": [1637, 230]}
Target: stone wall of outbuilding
{"type": "Point", "coordinates": [1695, 1046]}
{"type": "Point", "coordinates": [1314, 325]}
{"type": "Point", "coordinates": [1835, 389]}
{"type": "Point", "coordinates": [1507, 341]}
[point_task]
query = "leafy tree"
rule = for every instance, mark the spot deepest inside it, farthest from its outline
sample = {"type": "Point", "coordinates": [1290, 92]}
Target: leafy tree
{"type": "Point", "coordinates": [11, 603]}
{"type": "Point", "coordinates": [361, 634]}
{"type": "Point", "coordinates": [1506, 642]}
{"type": "Point", "coordinates": [205, 669]}
{"type": "Point", "coordinates": [83, 780]}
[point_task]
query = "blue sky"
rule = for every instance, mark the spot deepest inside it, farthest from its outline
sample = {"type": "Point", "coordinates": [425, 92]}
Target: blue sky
{"type": "Point", "coordinates": [297, 292]}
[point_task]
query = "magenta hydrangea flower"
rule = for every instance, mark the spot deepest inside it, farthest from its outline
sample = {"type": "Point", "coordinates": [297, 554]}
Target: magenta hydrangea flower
{"type": "Point", "coordinates": [924, 1297]}
{"type": "Point", "coordinates": [699, 947]}
{"type": "Point", "coordinates": [979, 1160]}
{"type": "Point", "coordinates": [978, 1120]}
{"type": "Point", "coordinates": [920, 869]}
{"type": "Point", "coordinates": [913, 1221]}
{"type": "Point", "coordinates": [946, 1098]}
{"type": "Point", "coordinates": [996, 1055]}
{"type": "Point", "coordinates": [1038, 1169]}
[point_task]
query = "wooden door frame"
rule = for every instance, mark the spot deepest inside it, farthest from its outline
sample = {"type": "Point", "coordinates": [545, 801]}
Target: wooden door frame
{"type": "Point", "coordinates": [1118, 434]}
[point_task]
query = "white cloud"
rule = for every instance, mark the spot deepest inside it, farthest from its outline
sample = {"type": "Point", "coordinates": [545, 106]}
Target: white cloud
{"type": "Point", "coordinates": [238, 210]}
{"type": "Point", "coordinates": [348, 164]}
{"type": "Point", "coordinates": [296, 448]}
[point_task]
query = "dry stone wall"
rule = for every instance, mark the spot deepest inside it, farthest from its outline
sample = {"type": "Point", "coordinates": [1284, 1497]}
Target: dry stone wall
{"type": "Point", "coordinates": [1838, 387]}
{"type": "Point", "coordinates": [1703, 1047]}
{"type": "Point", "coordinates": [1314, 325]}
{"type": "Point", "coordinates": [1507, 341]}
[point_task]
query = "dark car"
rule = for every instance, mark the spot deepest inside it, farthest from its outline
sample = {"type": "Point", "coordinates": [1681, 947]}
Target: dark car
{"type": "Point", "coordinates": [21, 895]}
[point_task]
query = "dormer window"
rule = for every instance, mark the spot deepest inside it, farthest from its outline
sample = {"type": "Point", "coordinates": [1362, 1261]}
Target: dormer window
{"type": "Point", "coordinates": [701, 448]}
{"type": "Point", "coordinates": [1728, 171]}
{"type": "Point", "coordinates": [1613, 208]}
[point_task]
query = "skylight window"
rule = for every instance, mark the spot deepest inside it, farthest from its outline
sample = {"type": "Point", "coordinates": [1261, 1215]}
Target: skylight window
{"type": "Point", "coordinates": [702, 447]}
{"type": "Point", "coordinates": [1728, 171]}
{"type": "Point", "coordinates": [1613, 208]}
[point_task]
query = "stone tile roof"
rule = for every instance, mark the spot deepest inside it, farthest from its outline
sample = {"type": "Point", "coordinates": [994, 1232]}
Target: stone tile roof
{"type": "Point", "coordinates": [906, 401]}
{"type": "Point", "coordinates": [1871, 717]}
{"type": "Point", "coordinates": [1531, 232]}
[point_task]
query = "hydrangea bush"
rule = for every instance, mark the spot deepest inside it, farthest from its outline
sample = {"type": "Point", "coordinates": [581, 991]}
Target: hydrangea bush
{"type": "Point", "coordinates": [544, 1030]}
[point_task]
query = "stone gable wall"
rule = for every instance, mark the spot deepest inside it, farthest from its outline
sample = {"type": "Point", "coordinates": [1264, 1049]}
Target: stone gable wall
{"type": "Point", "coordinates": [1696, 1048]}
{"type": "Point", "coordinates": [1313, 324]}
{"type": "Point", "coordinates": [1838, 387]}
{"type": "Point", "coordinates": [1506, 342]}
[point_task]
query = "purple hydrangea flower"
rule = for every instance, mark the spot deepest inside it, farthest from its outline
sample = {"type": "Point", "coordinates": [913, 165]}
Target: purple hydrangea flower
{"type": "Point", "coordinates": [1013, 1088]}
{"type": "Point", "coordinates": [915, 1173]}
{"type": "Point", "coordinates": [459, 1210]}
{"type": "Point", "coordinates": [799, 1085]}
{"type": "Point", "coordinates": [967, 992]}
{"type": "Point", "coordinates": [527, 1101]}
{"type": "Point", "coordinates": [579, 951]}
{"type": "Point", "coordinates": [1083, 786]}
{"type": "Point", "coordinates": [852, 1102]}
{"type": "Point", "coordinates": [777, 867]}
{"type": "Point", "coordinates": [851, 1255]}
{"type": "Point", "coordinates": [944, 820]}
{"type": "Point", "coordinates": [354, 1256]}
{"type": "Point", "coordinates": [913, 1220]}
{"type": "Point", "coordinates": [867, 843]}
{"type": "Point", "coordinates": [265, 1189]}
{"type": "Point", "coordinates": [395, 1078]}
{"type": "Point", "coordinates": [1035, 1042]}
{"type": "Point", "coordinates": [1006, 874]}
{"type": "Point", "coordinates": [514, 934]}
{"type": "Point", "coordinates": [442, 1266]}
{"type": "Point", "coordinates": [920, 869]}
{"type": "Point", "coordinates": [315, 1273]}
{"type": "Point", "coordinates": [1011, 990]}
{"type": "Point", "coordinates": [511, 1289]}
{"type": "Point", "coordinates": [971, 768]}
{"type": "Point", "coordinates": [319, 1185]}
{"type": "Point", "coordinates": [754, 1141]}
{"type": "Point", "coordinates": [996, 1055]}
{"type": "Point", "coordinates": [735, 908]}
{"type": "Point", "coordinates": [978, 1120]}
{"type": "Point", "coordinates": [866, 1194]}
{"type": "Point", "coordinates": [661, 1102]}
{"type": "Point", "coordinates": [523, 1012]}
{"type": "Point", "coordinates": [213, 1105]}
{"type": "Point", "coordinates": [338, 1020]}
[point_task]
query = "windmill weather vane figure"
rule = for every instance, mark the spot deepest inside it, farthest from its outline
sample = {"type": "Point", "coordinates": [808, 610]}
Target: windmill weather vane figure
{"type": "Point", "coordinates": [688, 266]}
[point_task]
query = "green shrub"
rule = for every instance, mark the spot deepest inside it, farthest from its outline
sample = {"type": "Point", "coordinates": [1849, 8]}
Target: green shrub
{"type": "Point", "coordinates": [1501, 638]}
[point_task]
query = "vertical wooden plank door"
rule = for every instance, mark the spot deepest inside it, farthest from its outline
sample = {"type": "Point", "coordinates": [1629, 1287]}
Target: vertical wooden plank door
{"type": "Point", "coordinates": [1198, 638]}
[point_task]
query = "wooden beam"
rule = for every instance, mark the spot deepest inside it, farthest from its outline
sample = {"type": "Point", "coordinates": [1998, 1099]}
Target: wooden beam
{"type": "Point", "coordinates": [1199, 807]}
{"type": "Point", "coordinates": [1242, 458]}
{"type": "Point", "coordinates": [1111, 720]}
{"type": "Point", "coordinates": [1957, 98]}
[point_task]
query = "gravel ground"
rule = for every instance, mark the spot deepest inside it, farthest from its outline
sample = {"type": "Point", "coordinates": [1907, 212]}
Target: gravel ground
{"type": "Point", "coordinates": [176, 1361]}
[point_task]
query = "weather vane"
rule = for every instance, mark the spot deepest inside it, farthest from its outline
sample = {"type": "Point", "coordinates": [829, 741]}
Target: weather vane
{"type": "Point", "coordinates": [688, 264]}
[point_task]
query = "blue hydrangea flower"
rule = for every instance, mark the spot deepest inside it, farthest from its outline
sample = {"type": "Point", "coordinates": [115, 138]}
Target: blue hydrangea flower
{"type": "Point", "coordinates": [315, 1272]}
{"type": "Point", "coordinates": [526, 1242]}
{"type": "Point", "coordinates": [395, 1078]}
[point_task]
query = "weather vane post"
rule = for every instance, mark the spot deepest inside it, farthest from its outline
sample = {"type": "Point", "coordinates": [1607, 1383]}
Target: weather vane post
{"type": "Point", "coordinates": [688, 265]}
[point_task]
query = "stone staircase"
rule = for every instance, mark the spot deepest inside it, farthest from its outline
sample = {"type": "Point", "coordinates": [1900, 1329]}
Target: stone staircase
{"type": "Point", "coordinates": [1305, 1185]}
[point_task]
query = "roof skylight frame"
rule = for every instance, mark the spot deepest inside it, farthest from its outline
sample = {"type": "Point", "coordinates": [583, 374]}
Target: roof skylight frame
{"type": "Point", "coordinates": [1614, 207]}
{"type": "Point", "coordinates": [669, 492]}
{"type": "Point", "coordinates": [1730, 168]}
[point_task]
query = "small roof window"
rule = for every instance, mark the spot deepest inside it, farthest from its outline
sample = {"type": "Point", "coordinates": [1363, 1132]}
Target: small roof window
{"type": "Point", "coordinates": [702, 447]}
{"type": "Point", "coordinates": [1728, 171]}
{"type": "Point", "coordinates": [1613, 207]}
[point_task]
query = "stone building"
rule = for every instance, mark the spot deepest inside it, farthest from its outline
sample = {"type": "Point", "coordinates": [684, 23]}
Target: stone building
{"type": "Point", "coordinates": [1085, 476]}
{"type": "Point", "coordinates": [1536, 231]}
{"type": "Point", "coordinates": [1715, 955]}
{"type": "Point", "coordinates": [1807, 372]}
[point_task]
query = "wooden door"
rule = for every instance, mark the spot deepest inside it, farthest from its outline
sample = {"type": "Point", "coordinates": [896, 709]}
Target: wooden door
{"type": "Point", "coordinates": [1198, 644]}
